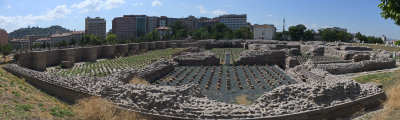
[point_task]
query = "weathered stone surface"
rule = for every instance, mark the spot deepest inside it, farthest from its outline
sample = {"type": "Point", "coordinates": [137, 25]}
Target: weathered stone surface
{"type": "Point", "coordinates": [360, 57]}
{"type": "Point", "coordinates": [156, 70]}
{"type": "Point", "coordinates": [252, 57]}
{"type": "Point", "coordinates": [356, 48]}
{"type": "Point", "coordinates": [200, 58]}
{"type": "Point", "coordinates": [291, 62]}
{"type": "Point", "coordinates": [188, 102]}
{"type": "Point", "coordinates": [67, 64]}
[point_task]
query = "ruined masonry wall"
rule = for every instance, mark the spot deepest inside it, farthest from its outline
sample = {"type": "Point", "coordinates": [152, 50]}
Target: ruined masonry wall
{"type": "Point", "coordinates": [40, 60]}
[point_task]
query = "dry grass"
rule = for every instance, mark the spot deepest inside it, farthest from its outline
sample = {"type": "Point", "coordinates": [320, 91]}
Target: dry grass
{"type": "Point", "coordinates": [391, 106]}
{"type": "Point", "coordinates": [136, 80]}
{"type": "Point", "coordinates": [242, 100]}
{"type": "Point", "coordinates": [21, 100]}
{"type": "Point", "coordinates": [391, 85]}
{"type": "Point", "coordinates": [379, 46]}
{"type": "Point", "coordinates": [95, 108]}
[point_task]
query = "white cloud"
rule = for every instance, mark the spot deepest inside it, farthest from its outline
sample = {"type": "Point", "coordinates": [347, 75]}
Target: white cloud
{"type": "Point", "coordinates": [156, 3]}
{"type": "Point", "coordinates": [109, 4]}
{"type": "Point", "coordinates": [270, 15]}
{"type": "Point", "coordinates": [8, 6]}
{"type": "Point", "coordinates": [219, 12]}
{"type": "Point", "coordinates": [96, 5]}
{"type": "Point", "coordinates": [202, 9]}
{"type": "Point", "coordinates": [11, 23]}
{"type": "Point", "coordinates": [137, 4]}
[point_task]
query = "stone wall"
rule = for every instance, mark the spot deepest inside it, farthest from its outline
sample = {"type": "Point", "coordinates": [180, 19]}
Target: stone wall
{"type": "Point", "coordinates": [40, 60]}
{"type": "Point", "coordinates": [271, 57]}
{"type": "Point", "coordinates": [367, 65]}
{"type": "Point", "coordinates": [156, 70]}
{"type": "Point", "coordinates": [197, 59]}
{"type": "Point", "coordinates": [314, 50]}
{"type": "Point", "coordinates": [295, 102]}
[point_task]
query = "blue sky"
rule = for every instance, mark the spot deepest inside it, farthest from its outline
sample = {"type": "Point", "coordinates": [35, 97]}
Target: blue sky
{"type": "Point", "coordinates": [355, 15]}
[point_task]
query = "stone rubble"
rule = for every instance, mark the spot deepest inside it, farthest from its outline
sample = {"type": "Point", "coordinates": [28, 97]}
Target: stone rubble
{"type": "Point", "coordinates": [156, 70]}
{"type": "Point", "coordinates": [188, 102]}
{"type": "Point", "coordinates": [200, 58]}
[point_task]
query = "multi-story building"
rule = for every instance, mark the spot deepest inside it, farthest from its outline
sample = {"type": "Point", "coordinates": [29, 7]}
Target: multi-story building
{"type": "Point", "coordinates": [171, 21]}
{"type": "Point", "coordinates": [3, 37]}
{"type": "Point", "coordinates": [152, 23]}
{"type": "Point", "coordinates": [96, 26]}
{"type": "Point", "coordinates": [141, 25]}
{"type": "Point", "coordinates": [265, 31]}
{"type": "Point", "coordinates": [59, 37]}
{"type": "Point", "coordinates": [20, 44]}
{"type": "Point", "coordinates": [129, 26]}
{"type": "Point", "coordinates": [163, 21]}
{"type": "Point", "coordinates": [234, 21]}
{"type": "Point", "coordinates": [124, 27]}
{"type": "Point", "coordinates": [190, 23]}
{"type": "Point", "coordinates": [33, 38]}
{"type": "Point", "coordinates": [208, 22]}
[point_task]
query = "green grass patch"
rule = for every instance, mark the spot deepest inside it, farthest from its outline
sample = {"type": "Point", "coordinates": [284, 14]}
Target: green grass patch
{"type": "Point", "coordinates": [380, 46]}
{"type": "Point", "coordinates": [61, 112]}
{"type": "Point", "coordinates": [26, 107]}
{"type": "Point", "coordinates": [387, 79]}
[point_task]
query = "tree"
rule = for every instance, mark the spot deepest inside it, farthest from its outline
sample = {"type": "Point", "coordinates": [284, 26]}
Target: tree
{"type": "Point", "coordinates": [37, 45]}
{"type": "Point", "coordinates": [177, 25]}
{"type": "Point", "coordinates": [278, 36]}
{"type": "Point", "coordinates": [219, 31]}
{"type": "Point", "coordinates": [73, 42]}
{"type": "Point", "coordinates": [181, 33]}
{"type": "Point", "coordinates": [296, 32]}
{"type": "Point", "coordinates": [390, 9]}
{"type": "Point", "coordinates": [344, 36]}
{"type": "Point", "coordinates": [361, 37]}
{"type": "Point", "coordinates": [111, 38]}
{"type": "Point", "coordinates": [397, 42]}
{"type": "Point", "coordinates": [200, 34]}
{"type": "Point", "coordinates": [6, 50]}
{"type": "Point", "coordinates": [328, 35]}
{"type": "Point", "coordinates": [243, 33]}
{"type": "Point", "coordinates": [308, 35]}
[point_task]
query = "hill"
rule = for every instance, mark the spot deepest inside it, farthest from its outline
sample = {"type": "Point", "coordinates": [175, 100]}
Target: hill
{"type": "Point", "coordinates": [22, 32]}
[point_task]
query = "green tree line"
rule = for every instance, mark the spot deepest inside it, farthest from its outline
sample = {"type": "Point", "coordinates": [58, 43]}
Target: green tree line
{"type": "Point", "coordinates": [300, 32]}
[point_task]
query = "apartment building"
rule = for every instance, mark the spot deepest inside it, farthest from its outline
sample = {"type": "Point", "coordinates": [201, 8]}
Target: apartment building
{"type": "Point", "coordinates": [265, 31]}
{"type": "Point", "coordinates": [96, 26]}
{"type": "Point", "coordinates": [234, 21]}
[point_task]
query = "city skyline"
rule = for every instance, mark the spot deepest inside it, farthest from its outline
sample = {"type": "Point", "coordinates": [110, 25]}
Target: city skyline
{"type": "Point", "coordinates": [314, 14]}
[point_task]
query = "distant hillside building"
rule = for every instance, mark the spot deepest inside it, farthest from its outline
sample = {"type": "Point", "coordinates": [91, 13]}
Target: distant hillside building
{"type": "Point", "coordinates": [20, 43]}
{"type": "Point", "coordinates": [3, 37]}
{"type": "Point", "coordinates": [266, 32]}
{"type": "Point", "coordinates": [234, 21]}
{"type": "Point", "coordinates": [67, 37]}
{"type": "Point", "coordinates": [96, 26]}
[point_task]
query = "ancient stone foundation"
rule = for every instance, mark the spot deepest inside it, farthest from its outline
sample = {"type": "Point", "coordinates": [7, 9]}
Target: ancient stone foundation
{"type": "Point", "coordinates": [197, 59]}
{"type": "Point", "coordinates": [301, 101]}
{"type": "Point", "coordinates": [253, 57]}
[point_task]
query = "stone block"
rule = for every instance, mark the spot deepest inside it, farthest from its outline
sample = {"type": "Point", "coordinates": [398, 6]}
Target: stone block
{"type": "Point", "coordinates": [67, 64]}
{"type": "Point", "coordinates": [39, 60]}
